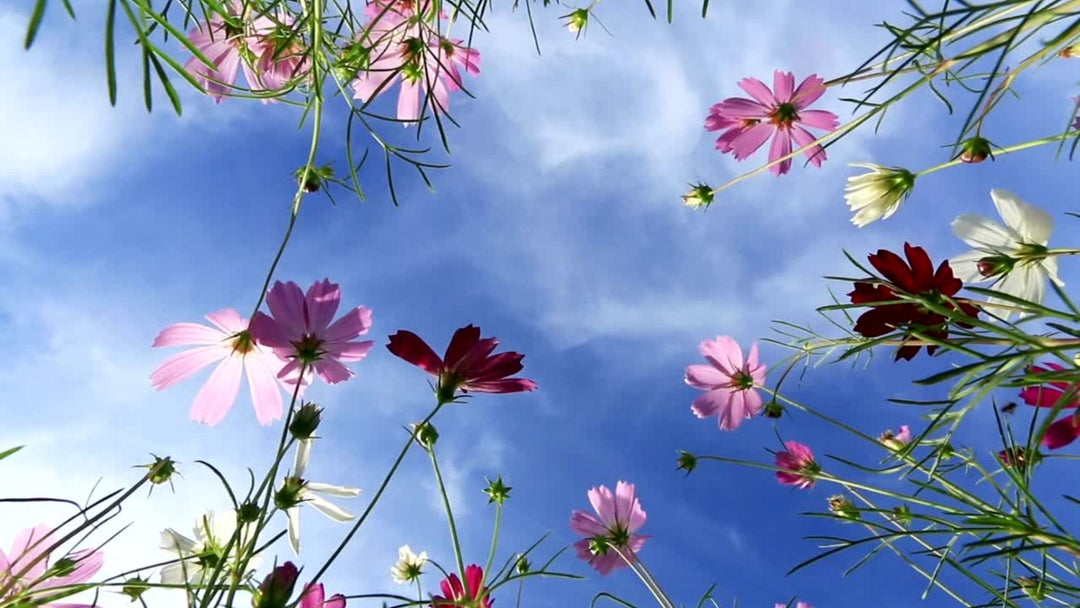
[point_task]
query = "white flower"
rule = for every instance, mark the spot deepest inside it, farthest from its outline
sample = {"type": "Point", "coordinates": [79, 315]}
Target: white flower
{"type": "Point", "coordinates": [310, 493]}
{"type": "Point", "coordinates": [877, 195]}
{"type": "Point", "coordinates": [201, 556]}
{"type": "Point", "coordinates": [407, 568]}
{"type": "Point", "coordinates": [1013, 255]}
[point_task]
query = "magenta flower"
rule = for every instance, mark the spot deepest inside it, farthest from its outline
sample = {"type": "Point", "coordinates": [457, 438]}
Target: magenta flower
{"type": "Point", "coordinates": [1066, 430]}
{"type": "Point", "coordinates": [27, 568]}
{"type": "Point", "coordinates": [302, 332]}
{"type": "Point", "coordinates": [471, 593]}
{"type": "Point", "coordinates": [780, 113]}
{"type": "Point", "coordinates": [611, 537]}
{"type": "Point", "coordinates": [406, 50]}
{"type": "Point", "coordinates": [798, 466]}
{"type": "Point", "coordinates": [230, 342]}
{"type": "Point", "coordinates": [898, 439]}
{"type": "Point", "coordinates": [315, 597]}
{"type": "Point", "coordinates": [468, 364]}
{"type": "Point", "coordinates": [797, 605]}
{"type": "Point", "coordinates": [728, 381]}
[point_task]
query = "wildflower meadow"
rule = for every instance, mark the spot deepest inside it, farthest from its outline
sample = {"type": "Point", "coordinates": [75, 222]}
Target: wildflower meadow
{"type": "Point", "coordinates": [477, 303]}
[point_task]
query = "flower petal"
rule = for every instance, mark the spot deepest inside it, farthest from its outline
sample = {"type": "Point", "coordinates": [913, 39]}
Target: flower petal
{"type": "Point", "coordinates": [216, 397]}
{"type": "Point", "coordinates": [410, 347]}
{"type": "Point", "coordinates": [182, 366]}
{"type": "Point", "coordinates": [182, 334]}
{"type": "Point", "coordinates": [1033, 224]}
{"type": "Point", "coordinates": [261, 370]}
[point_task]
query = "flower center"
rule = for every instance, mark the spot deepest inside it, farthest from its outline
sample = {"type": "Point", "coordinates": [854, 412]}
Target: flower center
{"type": "Point", "coordinates": [243, 343]}
{"type": "Point", "coordinates": [742, 381]}
{"type": "Point", "coordinates": [308, 348]}
{"type": "Point", "coordinates": [784, 114]}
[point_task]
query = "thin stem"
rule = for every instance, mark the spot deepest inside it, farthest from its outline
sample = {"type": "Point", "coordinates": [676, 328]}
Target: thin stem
{"type": "Point", "coordinates": [449, 512]}
{"type": "Point", "coordinates": [494, 538]}
{"type": "Point", "coordinates": [1015, 148]}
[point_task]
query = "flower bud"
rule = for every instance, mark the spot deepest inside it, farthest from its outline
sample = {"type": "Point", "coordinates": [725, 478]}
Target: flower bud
{"type": "Point", "coordinates": [700, 196]}
{"type": "Point", "coordinates": [995, 265]}
{"type": "Point", "coordinates": [522, 566]}
{"type": "Point", "coordinates": [248, 512]}
{"type": "Point", "coordinates": [877, 194]}
{"type": "Point", "coordinates": [497, 491]}
{"type": "Point", "coordinates": [1073, 50]}
{"type": "Point", "coordinates": [305, 421]}
{"type": "Point", "coordinates": [842, 506]}
{"type": "Point", "coordinates": [975, 150]}
{"type": "Point", "coordinates": [577, 21]}
{"type": "Point", "coordinates": [1018, 458]}
{"type": "Point", "coordinates": [161, 470]}
{"type": "Point", "coordinates": [687, 462]}
{"type": "Point", "coordinates": [773, 410]}
{"type": "Point", "coordinates": [290, 494]}
{"type": "Point", "coordinates": [277, 587]}
{"type": "Point", "coordinates": [135, 587]}
{"type": "Point", "coordinates": [426, 435]}
{"type": "Point", "coordinates": [902, 515]}
{"type": "Point", "coordinates": [1033, 587]}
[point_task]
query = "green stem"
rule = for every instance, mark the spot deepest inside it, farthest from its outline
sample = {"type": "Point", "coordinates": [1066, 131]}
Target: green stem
{"type": "Point", "coordinates": [1014, 148]}
{"type": "Point", "coordinates": [449, 512]}
{"type": "Point", "coordinates": [494, 538]}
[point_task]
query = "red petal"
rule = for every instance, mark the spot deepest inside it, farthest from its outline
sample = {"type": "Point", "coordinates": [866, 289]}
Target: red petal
{"type": "Point", "coordinates": [498, 366]}
{"type": "Point", "coordinates": [922, 269]}
{"type": "Point", "coordinates": [509, 385]}
{"type": "Point", "coordinates": [463, 341]}
{"type": "Point", "coordinates": [1061, 433]}
{"type": "Point", "coordinates": [866, 293]}
{"type": "Point", "coordinates": [472, 361]}
{"type": "Point", "coordinates": [412, 348]}
{"type": "Point", "coordinates": [945, 281]}
{"type": "Point", "coordinates": [893, 268]}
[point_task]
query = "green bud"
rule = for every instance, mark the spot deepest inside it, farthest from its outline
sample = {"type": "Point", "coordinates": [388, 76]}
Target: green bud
{"type": "Point", "coordinates": [995, 265]}
{"type": "Point", "coordinates": [497, 491]}
{"type": "Point", "coordinates": [63, 567]}
{"type": "Point", "coordinates": [773, 410]}
{"type": "Point", "coordinates": [578, 20]}
{"type": "Point", "coordinates": [1033, 587]}
{"type": "Point", "coordinates": [975, 150]}
{"type": "Point", "coordinates": [902, 515]}
{"type": "Point", "coordinates": [135, 587]}
{"type": "Point", "coordinates": [248, 512]}
{"type": "Point", "coordinates": [522, 565]}
{"type": "Point", "coordinates": [700, 196]}
{"type": "Point", "coordinates": [161, 470]}
{"type": "Point", "coordinates": [426, 435]}
{"type": "Point", "coordinates": [687, 462]}
{"type": "Point", "coordinates": [842, 506]}
{"type": "Point", "coordinates": [305, 421]}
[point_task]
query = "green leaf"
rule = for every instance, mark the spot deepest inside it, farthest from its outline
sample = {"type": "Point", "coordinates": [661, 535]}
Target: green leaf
{"type": "Point", "coordinates": [110, 50]}
{"type": "Point", "coordinates": [169, 89]}
{"type": "Point", "coordinates": [9, 452]}
{"type": "Point", "coordinates": [35, 23]}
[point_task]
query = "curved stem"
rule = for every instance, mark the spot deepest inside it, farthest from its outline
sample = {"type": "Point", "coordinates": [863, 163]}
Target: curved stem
{"type": "Point", "coordinates": [449, 513]}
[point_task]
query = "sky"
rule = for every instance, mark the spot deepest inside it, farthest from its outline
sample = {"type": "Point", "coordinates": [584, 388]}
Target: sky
{"type": "Point", "coordinates": [557, 229]}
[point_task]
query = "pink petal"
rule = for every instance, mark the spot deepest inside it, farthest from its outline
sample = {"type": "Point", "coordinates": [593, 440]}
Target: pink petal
{"type": "Point", "coordinates": [314, 596]}
{"type": "Point", "coordinates": [752, 360]}
{"type": "Point", "coordinates": [706, 377]}
{"type": "Point", "coordinates": [349, 351]}
{"type": "Point", "coordinates": [711, 403]}
{"type": "Point", "coordinates": [809, 91]}
{"type": "Point", "coordinates": [228, 320]}
{"type": "Point", "coordinates": [268, 332]}
{"type": "Point", "coordinates": [781, 147]}
{"type": "Point", "coordinates": [336, 601]}
{"type": "Point", "coordinates": [819, 119]}
{"type": "Point", "coordinates": [216, 397]}
{"type": "Point", "coordinates": [332, 371]}
{"type": "Point", "coordinates": [603, 502]}
{"type": "Point", "coordinates": [354, 323]}
{"type": "Point", "coordinates": [87, 564]}
{"type": "Point", "coordinates": [286, 304]}
{"type": "Point", "coordinates": [724, 353]}
{"type": "Point", "coordinates": [731, 417]}
{"type": "Point", "coordinates": [759, 91]}
{"type": "Point", "coordinates": [323, 298]}
{"type": "Point", "coordinates": [751, 139]}
{"type": "Point", "coordinates": [182, 334]}
{"type": "Point", "coordinates": [263, 385]}
{"type": "Point", "coordinates": [1061, 433]}
{"type": "Point", "coordinates": [182, 366]}
{"type": "Point", "coordinates": [784, 86]}
{"type": "Point", "coordinates": [737, 107]}
{"type": "Point", "coordinates": [629, 507]}
{"type": "Point", "coordinates": [803, 138]}
{"type": "Point", "coordinates": [586, 524]}
{"type": "Point", "coordinates": [408, 107]}
{"type": "Point", "coordinates": [29, 545]}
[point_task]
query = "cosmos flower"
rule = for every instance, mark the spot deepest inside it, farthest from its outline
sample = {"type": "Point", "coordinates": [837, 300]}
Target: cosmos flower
{"type": "Point", "coordinates": [199, 556]}
{"type": "Point", "coordinates": [229, 342]}
{"type": "Point", "coordinates": [780, 113]}
{"type": "Point", "coordinates": [409, 565]}
{"type": "Point", "coordinates": [728, 381]}
{"type": "Point", "coordinates": [877, 194]}
{"type": "Point", "coordinates": [472, 593]}
{"type": "Point", "coordinates": [1012, 256]}
{"type": "Point", "coordinates": [301, 331]}
{"type": "Point", "coordinates": [916, 277]}
{"type": "Point", "coordinates": [467, 365]}
{"type": "Point", "coordinates": [1065, 430]}
{"type": "Point", "coordinates": [296, 490]}
{"type": "Point", "coordinates": [27, 572]}
{"type": "Point", "coordinates": [798, 466]}
{"type": "Point", "coordinates": [610, 536]}
{"type": "Point", "coordinates": [315, 597]}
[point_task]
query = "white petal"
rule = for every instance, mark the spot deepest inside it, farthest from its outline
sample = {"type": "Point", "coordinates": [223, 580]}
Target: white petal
{"type": "Point", "coordinates": [294, 529]}
{"type": "Point", "coordinates": [303, 455]}
{"type": "Point", "coordinates": [982, 232]}
{"type": "Point", "coordinates": [174, 542]}
{"type": "Point", "coordinates": [966, 266]}
{"type": "Point", "coordinates": [328, 508]}
{"type": "Point", "coordinates": [332, 490]}
{"type": "Point", "coordinates": [1030, 222]}
{"type": "Point", "coordinates": [1050, 266]}
{"type": "Point", "coordinates": [174, 574]}
{"type": "Point", "coordinates": [222, 526]}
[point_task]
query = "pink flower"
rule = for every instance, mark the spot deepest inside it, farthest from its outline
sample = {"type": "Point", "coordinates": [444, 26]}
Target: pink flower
{"type": "Point", "coordinates": [1050, 394]}
{"type": "Point", "coordinates": [315, 597]}
{"type": "Point", "coordinates": [302, 332]}
{"type": "Point", "coordinates": [468, 364]}
{"type": "Point", "coordinates": [798, 466]}
{"type": "Point", "coordinates": [407, 50]}
{"type": "Point", "coordinates": [27, 568]}
{"type": "Point", "coordinates": [230, 342]}
{"type": "Point", "coordinates": [280, 54]}
{"type": "Point", "coordinates": [610, 539]}
{"type": "Point", "coordinates": [728, 381]}
{"type": "Point", "coordinates": [472, 593]}
{"type": "Point", "coordinates": [780, 113]}
{"type": "Point", "coordinates": [797, 605]}
{"type": "Point", "coordinates": [898, 439]}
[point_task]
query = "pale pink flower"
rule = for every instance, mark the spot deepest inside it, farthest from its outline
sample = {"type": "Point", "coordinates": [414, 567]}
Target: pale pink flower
{"type": "Point", "coordinates": [302, 331]}
{"type": "Point", "coordinates": [780, 113]}
{"type": "Point", "coordinates": [613, 530]}
{"type": "Point", "coordinates": [408, 51]}
{"type": "Point", "coordinates": [28, 568]}
{"type": "Point", "coordinates": [898, 439]}
{"type": "Point", "coordinates": [798, 466]}
{"type": "Point", "coordinates": [281, 56]}
{"type": "Point", "coordinates": [315, 597]}
{"type": "Point", "coordinates": [728, 381]}
{"type": "Point", "coordinates": [230, 342]}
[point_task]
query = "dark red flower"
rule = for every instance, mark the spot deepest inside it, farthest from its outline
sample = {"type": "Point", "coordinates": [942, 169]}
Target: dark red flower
{"type": "Point", "coordinates": [1066, 430]}
{"type": "Point", "coordinates": [468, 364]}
{"type": "Point", "coordinates": [915, 277]}
{"type": "Point", "coordinates": [472, 593]}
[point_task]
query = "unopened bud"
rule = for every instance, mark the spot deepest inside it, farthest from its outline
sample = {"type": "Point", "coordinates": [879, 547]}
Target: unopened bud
{"type": "Point", "coordinates": [161, 470]}
{"type": "Point", "coordinates": [700, 196]}
{"type": "Point", "coordinates": [902, 515]}
{"type": "Point", "coordinates": [305, 421]}
{"type": "Point", "coordinates": [773, 410]}
{"type": "Point", "coordinates": [426, 435]}
{"type": "Point", "coordinates": [578, 20]}
{"type": "Point", "coordinates": [687, 462]}
{"type": "Point", "coordinates": [975, 150]}
{"type": "Point", "coordinates": [248, 512]}
{"type": "Point", "coordinates": [522, 566]}
{"type": "Point", "coordinates": [135, 587]}
{"type": "Point", "coordinates": [995, 265]}
{"type": "Point", "coordinates": [842, 506]}
{"type": "Point", "coordinates": [277, 587]}
{"type": "Point", "coordinates": [497, 491]}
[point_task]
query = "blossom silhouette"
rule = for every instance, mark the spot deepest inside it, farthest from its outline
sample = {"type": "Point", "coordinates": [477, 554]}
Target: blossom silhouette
{"type": "Point", "coordinates": [27, 569]}
{"type": "Point", "coordinates": [302, 332]}
{"type": "Point", "coordinates": [797, 464]}
{"type": "Point", "coordinates": [471, 593]}
{"type": "Point", "coordinates": [780, 113]}
{"type": "Point", "coordinates": [229, 342]}
{"type": "Point", "coordinates": [467, 365]}
{"type": "Point", "coordinates": [916, 277]}
{"type": "Point", "coordinates": [728, 381]}
{"type": "Point", "coordinates": [611, 538]}
{"type": "Point", "coordinates": [1013, 256]}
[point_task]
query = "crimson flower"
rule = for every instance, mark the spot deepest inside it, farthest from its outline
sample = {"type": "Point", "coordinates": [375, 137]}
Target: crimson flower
{"type": "Point", "coordinates": [468, 364]}
{"type": "Point", "coordinates": [916, 277]}
{"type": "Point", "coordinates": [472, 593]}
{"type": "Point", "coordinates": [797, 466]}
{"type": "Point", "coordinates": [1066, 430]}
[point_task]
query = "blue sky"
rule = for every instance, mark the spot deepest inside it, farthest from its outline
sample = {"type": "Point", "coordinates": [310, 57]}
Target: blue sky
{"type": "Point", "coordinates": [558, 229]}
